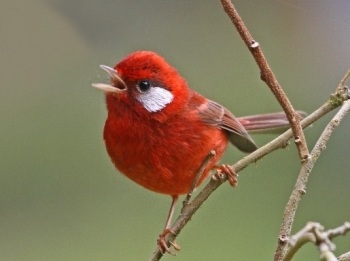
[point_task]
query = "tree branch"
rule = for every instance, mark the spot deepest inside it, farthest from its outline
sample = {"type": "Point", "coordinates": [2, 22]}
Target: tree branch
{"type": "Point", "coordinates": [344, 257]}
{"type": "Point", "coordinates": [269, 78]}
{"type": "Point", "coordinates": [340, 97]}
{"type": "Point", "coordinates": [314, 233]}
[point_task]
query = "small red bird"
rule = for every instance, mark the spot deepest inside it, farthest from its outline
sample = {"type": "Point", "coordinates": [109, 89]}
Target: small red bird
{"type": "Point", "coordinates": [158, 131]}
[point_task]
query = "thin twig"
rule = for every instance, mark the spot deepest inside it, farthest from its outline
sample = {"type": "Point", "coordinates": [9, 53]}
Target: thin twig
{"type": "Point", "coordinates": [341, 96]}
{"type": "Point", "coordinates": [344, 257]}
{"type": "Point", "coordinates": [343, 81]}
{"type": "Point", "coordinates": [325, 253]}
{"type": "Point", "coordinates": [269, 78]}
{"type": "Point", "coordinates": [338, 231]}
{"type": "Point", "coordinates": [314, 233]}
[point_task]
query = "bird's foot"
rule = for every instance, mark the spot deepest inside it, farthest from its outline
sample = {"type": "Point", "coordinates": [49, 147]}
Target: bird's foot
{"type": "Point", "coordinates": [231, 175]}
{"type": "Point", "coordinates": [162, 244]}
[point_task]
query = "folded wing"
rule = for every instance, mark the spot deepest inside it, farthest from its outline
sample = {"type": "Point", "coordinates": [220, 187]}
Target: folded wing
{"type": "Point", "coordinates": [216, 115]}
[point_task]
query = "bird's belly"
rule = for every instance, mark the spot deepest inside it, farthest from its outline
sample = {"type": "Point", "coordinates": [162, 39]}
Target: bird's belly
{"type": "Point", "coordinates": [166, 166]}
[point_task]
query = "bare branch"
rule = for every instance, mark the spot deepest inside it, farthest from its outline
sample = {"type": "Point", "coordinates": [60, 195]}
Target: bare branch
{"type": "Point", "coordinates": [339, 231]}
{"type": "Point", "coordinates": [314, 233]}
{"type": "Point", "coordinates": [269, 78]}
{"type": "Point", "coordinates": [343, 81]}
{"type": "Point", "coordinates": [325, 253]}
{"type": "Point", "coordinates": [300, 186]}
{"type": "Point", "coordinates": [344, 257]}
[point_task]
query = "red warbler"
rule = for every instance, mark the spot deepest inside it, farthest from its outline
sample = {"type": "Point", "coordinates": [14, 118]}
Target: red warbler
{"type": "Point", "coordinates": [159, 131]}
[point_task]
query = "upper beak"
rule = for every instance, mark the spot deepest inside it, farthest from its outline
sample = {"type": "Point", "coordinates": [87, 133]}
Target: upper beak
{"type": "Point", "coordinates": [117, 84]}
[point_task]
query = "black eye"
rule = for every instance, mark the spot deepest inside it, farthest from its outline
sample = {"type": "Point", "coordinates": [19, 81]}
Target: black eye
{"type": "Point", "coordinates": [144, 86]}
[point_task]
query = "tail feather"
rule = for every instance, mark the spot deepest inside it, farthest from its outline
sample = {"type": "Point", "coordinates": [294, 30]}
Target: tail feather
{"type": "Point", "coordinates": [267, 123]}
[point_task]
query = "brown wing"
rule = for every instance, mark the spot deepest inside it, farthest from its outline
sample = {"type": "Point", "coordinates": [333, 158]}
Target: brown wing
{"type": "Point", "coordinates": [214, 114]}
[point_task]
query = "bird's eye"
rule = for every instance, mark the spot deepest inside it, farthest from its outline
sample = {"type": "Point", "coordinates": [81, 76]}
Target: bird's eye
{"type": "Point", "coordinates": [144, 86]}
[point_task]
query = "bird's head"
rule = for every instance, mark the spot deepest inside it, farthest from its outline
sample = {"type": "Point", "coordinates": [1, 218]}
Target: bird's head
{"type": "Point", "coordinates": [146, 84]}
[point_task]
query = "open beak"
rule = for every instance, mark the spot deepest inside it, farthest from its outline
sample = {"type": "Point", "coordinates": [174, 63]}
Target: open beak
{"type": "Point", "coordinates": [117, 84]}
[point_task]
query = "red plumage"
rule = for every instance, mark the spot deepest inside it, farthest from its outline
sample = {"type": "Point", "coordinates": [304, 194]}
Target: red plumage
{"type": "Point", "coordinates": [158, 131]}
{"type": "Point", "coordinates": [163, 156]}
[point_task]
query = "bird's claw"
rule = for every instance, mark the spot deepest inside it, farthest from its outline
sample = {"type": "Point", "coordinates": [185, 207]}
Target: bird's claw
{"type": "Point", "coordinates": [230, 174]}
{"type": "Point", "coordinates": [163, 245]}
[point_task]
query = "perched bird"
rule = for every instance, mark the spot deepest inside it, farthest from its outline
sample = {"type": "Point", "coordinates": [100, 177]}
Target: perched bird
{"type": "Point", "coordinates": [159, 131]}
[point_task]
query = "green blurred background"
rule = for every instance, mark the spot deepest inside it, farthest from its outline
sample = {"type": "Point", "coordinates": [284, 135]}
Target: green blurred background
{"type": "Point", "coordinates": [61, 198]}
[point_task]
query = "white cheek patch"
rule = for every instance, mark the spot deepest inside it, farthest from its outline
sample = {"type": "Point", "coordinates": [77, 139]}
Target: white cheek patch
{"type": "Point", "coordinates": [155, 99]}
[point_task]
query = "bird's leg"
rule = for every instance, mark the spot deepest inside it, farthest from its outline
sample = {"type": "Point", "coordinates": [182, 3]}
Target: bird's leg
{"type": "Point", "coordinates": [230, 174]}
{"type": "Point", "coordinates": [161, 242]}
{"type": "Point", "coordinates": [211, 154]}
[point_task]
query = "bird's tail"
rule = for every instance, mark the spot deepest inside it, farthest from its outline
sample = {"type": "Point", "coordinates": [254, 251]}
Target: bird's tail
{"type": "Point", "coordinates": [267, 123]}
